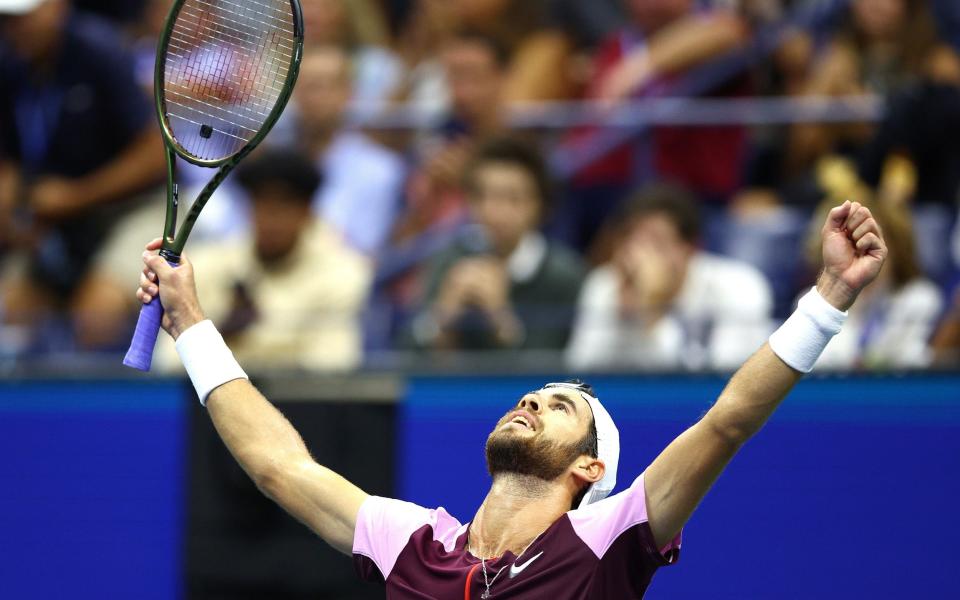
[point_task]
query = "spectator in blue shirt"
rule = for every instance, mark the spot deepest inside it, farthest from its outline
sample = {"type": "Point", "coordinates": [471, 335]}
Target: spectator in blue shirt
{"type": "Point", "coordinates": [78, 144]}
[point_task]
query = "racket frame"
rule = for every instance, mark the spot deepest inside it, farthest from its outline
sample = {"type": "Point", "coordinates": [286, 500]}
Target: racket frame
{"type": "Point", "coordinates": [173, 240]}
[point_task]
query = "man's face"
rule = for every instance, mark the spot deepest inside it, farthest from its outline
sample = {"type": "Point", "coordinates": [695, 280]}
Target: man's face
{"type": "Point", "coordinates": [278, 222]}
{"type": "Point", "coordinates": [658, 231]}
{"type": "Point", "coordinates": [879, 19]}
{"type": "Point", "coordinates": [505, 201]}
{"type": "Point", "coordinates": [541, 436]}
{"type": "Point", "coordinates": [474, 78]}
{"type": "Point", "coordinates": [323, 88]}
{"type": "Point", "coordinates": [325, 21]}
{"type": "Point", "coordinates": [34, 35]}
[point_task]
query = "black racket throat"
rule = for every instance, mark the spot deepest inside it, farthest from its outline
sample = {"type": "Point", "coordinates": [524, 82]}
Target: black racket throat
{"type": "Point", "coordinates": [170, 256]}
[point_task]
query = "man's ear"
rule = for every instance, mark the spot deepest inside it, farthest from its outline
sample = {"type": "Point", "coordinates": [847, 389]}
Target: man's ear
{"type": "Point", "coordinates": [588, 469]}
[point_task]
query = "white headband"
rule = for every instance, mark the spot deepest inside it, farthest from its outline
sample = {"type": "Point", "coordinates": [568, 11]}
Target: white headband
{"type": "Point", "coordinates": [608, 445]}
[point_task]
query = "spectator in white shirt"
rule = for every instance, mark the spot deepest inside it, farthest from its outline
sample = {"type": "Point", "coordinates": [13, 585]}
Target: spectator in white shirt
{"type": "Point", "coordinates": [661, 302]}
{"type": "Point", "coordinates": [363, 179]}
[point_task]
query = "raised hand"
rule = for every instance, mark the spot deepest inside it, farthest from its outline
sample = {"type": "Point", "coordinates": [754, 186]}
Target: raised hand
{"type": "Point", "coordinates": [853, 253]}
{"type": "Point", "coordinates": [176, 288]}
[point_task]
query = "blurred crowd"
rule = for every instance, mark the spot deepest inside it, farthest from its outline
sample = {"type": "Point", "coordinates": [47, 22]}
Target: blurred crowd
{"type": "Point", "coordinates": [570, 179]}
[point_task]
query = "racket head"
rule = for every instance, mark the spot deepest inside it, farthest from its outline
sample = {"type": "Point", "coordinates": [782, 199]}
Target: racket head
{"type": "Point", "coordinates": [224, 72]}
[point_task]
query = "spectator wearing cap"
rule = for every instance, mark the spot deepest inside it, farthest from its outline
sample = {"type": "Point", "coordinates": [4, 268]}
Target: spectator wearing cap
{"type": "Point", "coordinates": [502, 285]}
{"type": "Point", "coordinates": [79, 148]}
{"type": "Point", "coordinates": [290, 293]}
{"type": "Point", "coordinates": [661, 302]}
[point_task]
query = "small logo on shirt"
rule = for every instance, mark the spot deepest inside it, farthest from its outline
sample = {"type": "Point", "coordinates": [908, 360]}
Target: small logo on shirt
{"type": "Point", "coordinates": [516, 569]}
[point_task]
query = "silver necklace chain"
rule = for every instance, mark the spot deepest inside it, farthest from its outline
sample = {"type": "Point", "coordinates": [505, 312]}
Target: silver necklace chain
{"type": "Point", "coordinates": [489, 582]}
{"type": "Point", "coordinates": [483, 565]}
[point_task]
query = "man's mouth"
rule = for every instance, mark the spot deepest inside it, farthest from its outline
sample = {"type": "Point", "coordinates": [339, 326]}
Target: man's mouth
{"type": "Point", "coordinates": [523, 418]}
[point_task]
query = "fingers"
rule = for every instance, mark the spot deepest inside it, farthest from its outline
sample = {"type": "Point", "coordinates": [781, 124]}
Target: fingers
{"type": "Point", "coordinates": [869, 225]}
{"type": "Point", "coordinates": [157, 264]}
{"type": "Point", "coordinates": [154, 244]}
{"type": "Point", "coordinates": [147, 290]}
{"type": "Point", "coordinates": [858, 214]}
{"type": "Point", "coordinates": [838, 216]}
{"type": "Point", "coordinates": [872, 244]}
{"type": "Point", "coordinates": [148, 286]}
{"type": "Point", "coordinates": [863, 228]}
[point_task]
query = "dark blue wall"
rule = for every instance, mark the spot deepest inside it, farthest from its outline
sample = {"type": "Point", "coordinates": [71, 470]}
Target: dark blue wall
{"type": "Point", "coordinates": [850, 492]}
{"type": "Point", "coordinates": [91, 492]}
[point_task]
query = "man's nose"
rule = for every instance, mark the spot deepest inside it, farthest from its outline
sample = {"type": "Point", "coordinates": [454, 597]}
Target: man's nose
{"type": "Point", "coordinates": [530, 403]}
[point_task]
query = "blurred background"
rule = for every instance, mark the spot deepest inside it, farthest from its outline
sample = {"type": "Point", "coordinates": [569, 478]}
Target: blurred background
{"type": "Point", "coordinates": [465, 197]}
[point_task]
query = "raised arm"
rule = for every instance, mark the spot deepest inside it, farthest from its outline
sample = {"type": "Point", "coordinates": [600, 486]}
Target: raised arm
{"type": "Point", "coordinates": [853, 252]}
{"type": "Point", "coordinates": [264, 443]}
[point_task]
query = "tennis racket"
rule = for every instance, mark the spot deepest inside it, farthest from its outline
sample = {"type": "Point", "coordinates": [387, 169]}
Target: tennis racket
{"type": "Point", "coordinates": [224, 72]}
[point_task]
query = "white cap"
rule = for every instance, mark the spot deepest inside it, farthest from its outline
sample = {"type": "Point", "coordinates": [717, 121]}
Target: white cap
{"type": "Point", "coordinates": [18, 7]}
{"type": "Point", "coordinates": [608, 445]}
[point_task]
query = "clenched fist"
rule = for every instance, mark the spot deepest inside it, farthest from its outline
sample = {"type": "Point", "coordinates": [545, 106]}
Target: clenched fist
{"type": "Point", "coordinates": [853, 253]}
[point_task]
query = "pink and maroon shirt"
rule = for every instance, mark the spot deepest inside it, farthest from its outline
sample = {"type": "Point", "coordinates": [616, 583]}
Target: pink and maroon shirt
{"type": "Point", "coordinates": [604, 550]}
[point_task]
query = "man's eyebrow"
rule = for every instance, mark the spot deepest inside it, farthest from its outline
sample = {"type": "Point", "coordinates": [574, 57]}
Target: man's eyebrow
{"type": "Point", "coordinates": [565, 398]}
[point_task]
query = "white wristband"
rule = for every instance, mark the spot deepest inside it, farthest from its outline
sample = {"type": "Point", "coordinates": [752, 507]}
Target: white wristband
{"type": "Point", "coordinates": [802, 338]}
{"type": "Point", "coordinates": [208, 361]}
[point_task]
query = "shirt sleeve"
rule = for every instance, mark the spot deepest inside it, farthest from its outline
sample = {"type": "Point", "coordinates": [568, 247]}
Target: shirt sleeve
{"type": "Point", "coordinates": [601, 524]}
{"type": "Point", "coordinates": [384, 527]}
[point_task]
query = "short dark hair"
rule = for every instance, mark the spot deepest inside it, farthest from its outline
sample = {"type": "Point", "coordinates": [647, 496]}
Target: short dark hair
{"type": "Point", "coordinates": [589, 444]}
{"type": "Point", "coordinates": [669, 200]}
{"type": "Point", "coordinates": [286, 169]}
{"type": "Point", "coordinates": [516, 152]}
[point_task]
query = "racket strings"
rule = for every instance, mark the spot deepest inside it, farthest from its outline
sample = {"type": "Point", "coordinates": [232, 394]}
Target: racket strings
{"type": "Point", "coordinates": [227, 63]}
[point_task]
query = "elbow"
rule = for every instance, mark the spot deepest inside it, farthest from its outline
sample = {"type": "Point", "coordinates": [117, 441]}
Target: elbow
{"type": "Point", "coordinates": [730, 424]}
{"type": "Point", "coordinates": [269, 476]}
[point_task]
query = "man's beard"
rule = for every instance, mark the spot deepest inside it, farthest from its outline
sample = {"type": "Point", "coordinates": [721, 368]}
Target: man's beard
{"type": "Point", "coordinates": [536, 456]}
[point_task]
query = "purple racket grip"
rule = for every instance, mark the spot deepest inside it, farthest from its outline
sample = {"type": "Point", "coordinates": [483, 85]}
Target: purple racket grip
{"type": "Point", "coordinates": [140, 354]}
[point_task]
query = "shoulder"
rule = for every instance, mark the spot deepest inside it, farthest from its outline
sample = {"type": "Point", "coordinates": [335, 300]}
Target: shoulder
{"type": "Point", "coordinates": [393, 512]}
{"type": "Point", "coordinates": [385, 527]}
{"type": "Point", "coordinates": [365, 156]}
{"type": "Point", "coordinates": [601, 524]}
{"type": "Point", "coordinates": [328, 250]}
{"type": "Point", "coordinates": [600, 285]}
{"type": "Point", "coordinates": [446, 257]}
{"type": "Point", "coordinates": [220, 258]}
{"type": "Point", "coordinates": [560, 258]}
{"type": "Point", "coordinates": [728, 280]}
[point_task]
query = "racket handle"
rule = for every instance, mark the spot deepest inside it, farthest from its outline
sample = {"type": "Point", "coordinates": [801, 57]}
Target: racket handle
{"type": "Point", "coordinates": [140, 354]}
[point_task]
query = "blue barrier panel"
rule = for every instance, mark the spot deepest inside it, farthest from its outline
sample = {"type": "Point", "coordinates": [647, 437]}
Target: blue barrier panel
{"type": "Point", "coordinates": [849, 492]}
{"type": "Point", "coordinates": [92, 495]}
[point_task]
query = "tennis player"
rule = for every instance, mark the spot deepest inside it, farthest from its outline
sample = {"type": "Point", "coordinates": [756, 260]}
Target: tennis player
{"type": "Point", "coordinates": [547, 528]}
